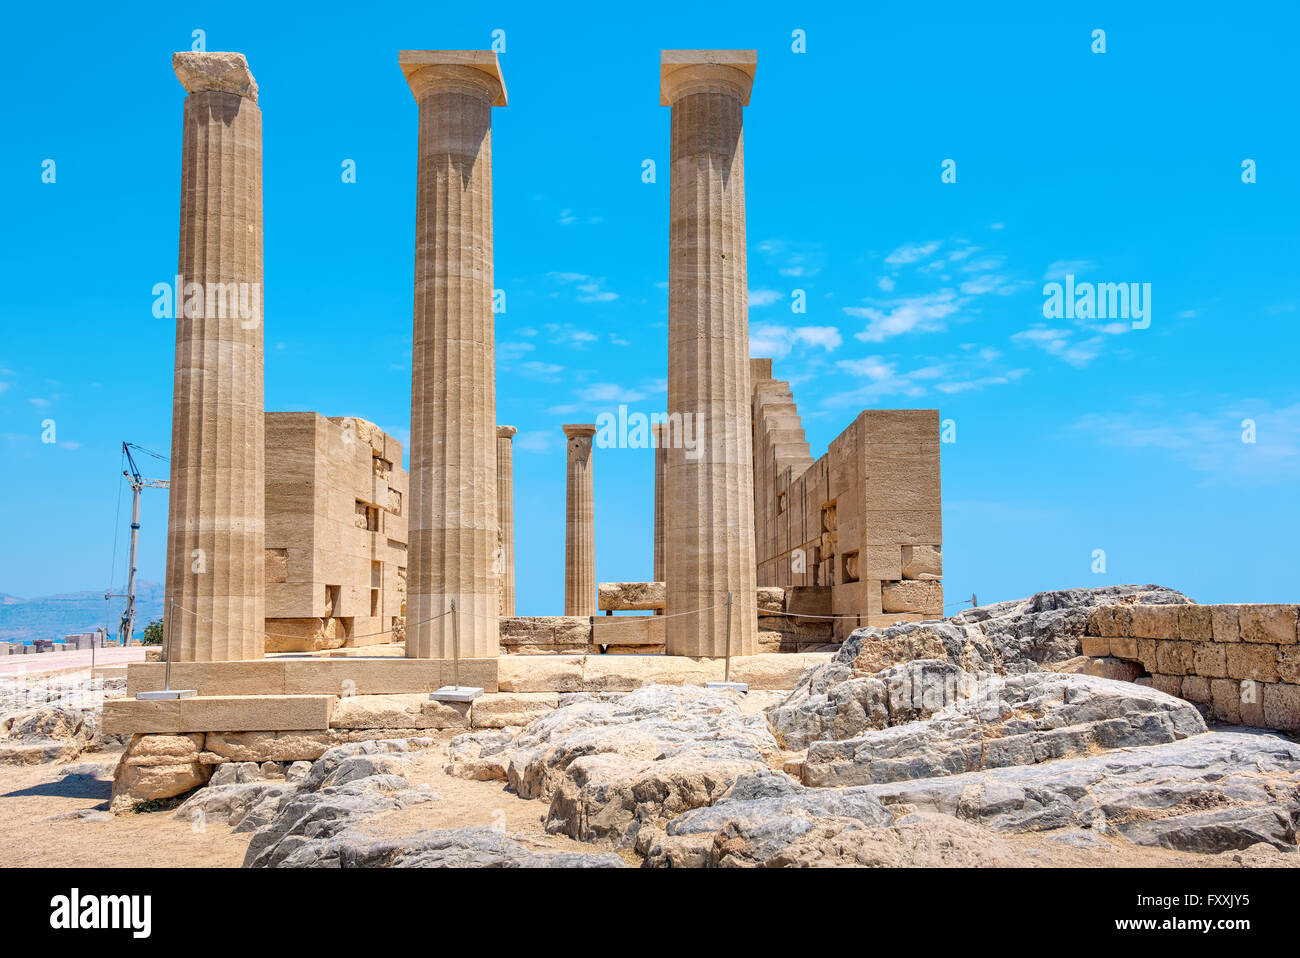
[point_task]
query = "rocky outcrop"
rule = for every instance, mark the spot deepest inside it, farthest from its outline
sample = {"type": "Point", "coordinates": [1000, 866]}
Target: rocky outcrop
{"type": "Point", "coordinates": [1215, 792]}
{"type": "Point", "coordinates": [1009, 720]}
{"type": "Point", "coordinates": [156, 767]}
{"type": "Point", "coordinates": [1007, 637]}
{"type": "Point", "coordinates": [347, 785]}
{"type": "Point", "coordinates": [609, 767]}
{"type": "Point", "coordinates": [480, 847]}
{"type": "Point", "coordinates": [54, 719]}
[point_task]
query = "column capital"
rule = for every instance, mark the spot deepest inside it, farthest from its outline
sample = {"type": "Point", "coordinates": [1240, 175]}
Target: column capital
{"type": "Point", "coordinates": [681, 71]}
{"type": "Point", "coordinates": [579, 430]}
{"type": "Point", "coordinates": [506, 432]}
{"type": "Point", "coordinates": [202, 72]}
{"type": "Point", "coordinates": [478, 70]}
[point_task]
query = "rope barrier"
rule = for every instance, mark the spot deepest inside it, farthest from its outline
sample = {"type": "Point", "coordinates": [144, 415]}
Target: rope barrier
{"type": "Point", "coordinates": [285, 635]}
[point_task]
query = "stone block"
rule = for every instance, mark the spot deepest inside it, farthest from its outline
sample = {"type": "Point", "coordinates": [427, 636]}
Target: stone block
{"type": "Point", "coordinates": [1109, 668]}
{"type": "Point", "coordinates": [1251, 696]}
{"type": "Point", "coordinates": [912, 595]}
{"type": "Point", "coordinates": [630, 630]}
{"type": "Point", "coordinates": [1282, 707]}
{"type": "Point", "coordinates": [1273, 624]}
{"type": "Point", "coordinates": [1195, 623]}
{"type": "Point", "coordinates": [1146, 653]}
{"type": "Point", "coordinates": [630, 596]}
{"type": "Point", "coordinates": [1288, 663]}
{"type": "Point", "coordinates": [163, 749]}
{"type": "Point", "coordinates": [1154, 621]}
{"type": "Point", "coordinates": [809, 600]}
{"type": "Point", "coordinates": [1095, 646]}
{"type": "Point", "coordinates": [1224, 623]}
{"type": "Point", "coordinates": [550, 673]}
{"type": "Point", "coordinates": [1225, 696]}
{"type": "Point", "coordinates": [1196, 688]}
{"type": "Point", "coordinates": [922, 562]}
{"type": "Point", "coordinates": [1169, 684]}
{"type": "Point", "coordinates": [1175, 658]}
{"type": "Point", "coordinates": [882, 562]}
{"type": "Point", "coordinates": [121, 716]}
{"type": "Point", "coordinates": [504, 709]}
{"type": "Point", "coordinates": [299, 746]}
{"type": "Point", "coordinates": [408, 711]}
{"type": "Point", "coordinates": [770, 599]}
{"type": "Point", "coordinates": [1250, 660]}
{"type": "Point", "coordinates": [1109, 621]}
{"type": "Point", "coordinates": [1211, 660]}
{"type": "Point", "coordinates": [1123, 647]}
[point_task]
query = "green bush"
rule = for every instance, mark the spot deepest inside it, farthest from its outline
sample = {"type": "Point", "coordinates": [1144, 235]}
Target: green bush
{"type": "Point", "coordinates": [153, 633]}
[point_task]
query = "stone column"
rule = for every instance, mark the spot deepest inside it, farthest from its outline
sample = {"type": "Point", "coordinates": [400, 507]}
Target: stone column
{"type": "Point", "coordinates": [453, 519]}
{"type": "Point", "coordinates": [709, 549]}
{"type": "Point", "coordinates": [506, 516]}
{"type": "Point", "coordinates": [661, 463]}
{"type": "Point", "coordinates": [579, 525]}
{"type": "Point", "coordinates": [215, 531]}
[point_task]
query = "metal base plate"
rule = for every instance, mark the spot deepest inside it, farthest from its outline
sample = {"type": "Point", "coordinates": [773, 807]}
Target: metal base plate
{"type": "Point", "coordinates": [164, 694]}
{"type": "Point", "coordinates": [728, 687]}
{"type": "Point", "coordinates": [455, 693]}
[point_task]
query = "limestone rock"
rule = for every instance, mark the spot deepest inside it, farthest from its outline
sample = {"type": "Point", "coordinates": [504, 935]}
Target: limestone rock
{"type": "Point", "coordinates": [1210, 793]}
{"type": "Point", "coordinates": [504, 709]}
{"type": "Point", "coordinates": [770, 599]}
{"type": "Point", "coordinates": [922, 562]}
{"type": "Point", "coordinates": [630, 596]}
{"type": "Point", "coordinates": [221, 72]}
{"type": "Point", "coordinates": [264, 746]}
{"type": "Point", "coordinates": [1013, 720]}
{"type": "Point", "coordinates": [480, 847]}
{"type": "Point", "coordinates": [414, 711]}
{"type": "Point", "coordinates": [608, 767]}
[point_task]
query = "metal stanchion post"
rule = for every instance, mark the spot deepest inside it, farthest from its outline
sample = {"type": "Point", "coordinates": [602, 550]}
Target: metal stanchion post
{"type": "Point", "coordinates": [167, 691]}
{"type": "Point", "coordinates": [726, 682]}
{"type": "Point", "coordinates": [456, 692]}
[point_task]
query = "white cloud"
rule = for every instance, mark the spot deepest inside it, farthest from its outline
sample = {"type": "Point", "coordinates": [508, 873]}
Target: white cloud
{"type": "Point", "coordinates": [1211, 443]}
{"type": "Point", "coordinates": [886, 283]}
{"type": "Point", "coordinates": [765, 297]}
{"type": "Point", "coordinates": [923, 314]}
{"type": "Point", "coordinates": [774, 341]}
{"type": "Point", "coordinates": [911, 253]}
{"type": "Point", "coordinates": [609, 392]}
{"type": "Point", "coordinates": [1056, 271]}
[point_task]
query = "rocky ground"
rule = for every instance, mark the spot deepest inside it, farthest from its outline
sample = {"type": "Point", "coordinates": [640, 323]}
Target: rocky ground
{"type": "Point", "coordinates": [977, 740]}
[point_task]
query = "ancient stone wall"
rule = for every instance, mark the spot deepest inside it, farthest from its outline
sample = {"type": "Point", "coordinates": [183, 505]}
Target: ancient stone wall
{"type": "Point", "coordinates": [864, 521]}
{"type": "Point", "coordinates": [336, 503]}
{"type": "Point", "coordinates": [1242, 661]}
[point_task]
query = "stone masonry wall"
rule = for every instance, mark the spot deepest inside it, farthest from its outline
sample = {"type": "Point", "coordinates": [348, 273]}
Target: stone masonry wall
{"type": "Point", "coordinates": [1242, 661]}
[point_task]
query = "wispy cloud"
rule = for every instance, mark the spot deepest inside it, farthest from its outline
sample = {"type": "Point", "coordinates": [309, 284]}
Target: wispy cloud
{"type": "Point", "coordinates": [776, 341]}
{"type": "Point", "coordinates": [1212, 443]}
{"type": "Point", "coordinates": [926, 313]}
{"type": "Point", "coordinates": [912, 253]}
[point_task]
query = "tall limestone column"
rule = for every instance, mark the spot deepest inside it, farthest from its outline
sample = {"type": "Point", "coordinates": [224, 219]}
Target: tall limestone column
{"type": "Point", "coordinates": [661, 462]}
{"type": "Point", "coordinates": [215, 591]}
{"type": "Point", "coordinates": [579, 525]}
{"type": "Point", "coordinates": [506, 516]}
{"type": "Point", "coordinates": [453, 524]}
{"type": "Point", "coordinates": [709, 549]}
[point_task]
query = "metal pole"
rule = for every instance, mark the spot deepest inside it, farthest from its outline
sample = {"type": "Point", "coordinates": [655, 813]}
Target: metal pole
{"type": "Point", "coordinates": [726, 672]}
{"type": "Point", "coordinates": [455, 644]}
{"type": "Point", "coordinates": [167, 647]}
{"type": "Point", "coordinates": [128, 616]}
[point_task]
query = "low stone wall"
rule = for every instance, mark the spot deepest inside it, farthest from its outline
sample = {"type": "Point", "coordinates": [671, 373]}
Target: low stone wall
{"type": "Point", "coordinates": [796, 619]}
{"type": "Point", "coordinates": [1242, 661]}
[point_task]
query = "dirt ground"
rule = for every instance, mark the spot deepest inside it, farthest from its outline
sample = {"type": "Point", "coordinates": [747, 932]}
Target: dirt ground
{"type": "Point", "coordinates": [52, 815]}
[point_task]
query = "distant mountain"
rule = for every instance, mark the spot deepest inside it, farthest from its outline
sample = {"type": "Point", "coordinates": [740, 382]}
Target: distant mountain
{"type": "Point", "coordinates": [54, 616]}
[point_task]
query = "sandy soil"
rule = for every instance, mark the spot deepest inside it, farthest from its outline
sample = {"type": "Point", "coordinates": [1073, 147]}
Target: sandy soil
{"type": "Point", "coordinates": [39, 806]}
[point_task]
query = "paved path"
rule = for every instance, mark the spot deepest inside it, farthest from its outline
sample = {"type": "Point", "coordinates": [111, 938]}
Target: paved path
{"type": "Point", "coordinates": [11, 665]}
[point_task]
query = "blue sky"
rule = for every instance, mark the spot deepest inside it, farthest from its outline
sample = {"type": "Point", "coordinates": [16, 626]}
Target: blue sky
{"type": "Point", "coordinates": [1071, 436]}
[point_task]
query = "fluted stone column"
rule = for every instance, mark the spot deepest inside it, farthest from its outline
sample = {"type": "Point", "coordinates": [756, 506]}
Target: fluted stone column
{"type": "Point", "coordinates": [579, 525]}
{"type": "Point", "coordinates": [710, 501]}
{"type": "Point", "coordinates": [215, 560]}
{"type": "Point", "coordinates": [506, 516]}
{"type": "Point", "coordinates": [661, 462]}
{"type": "Point", "coordinates": [453, 526]}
